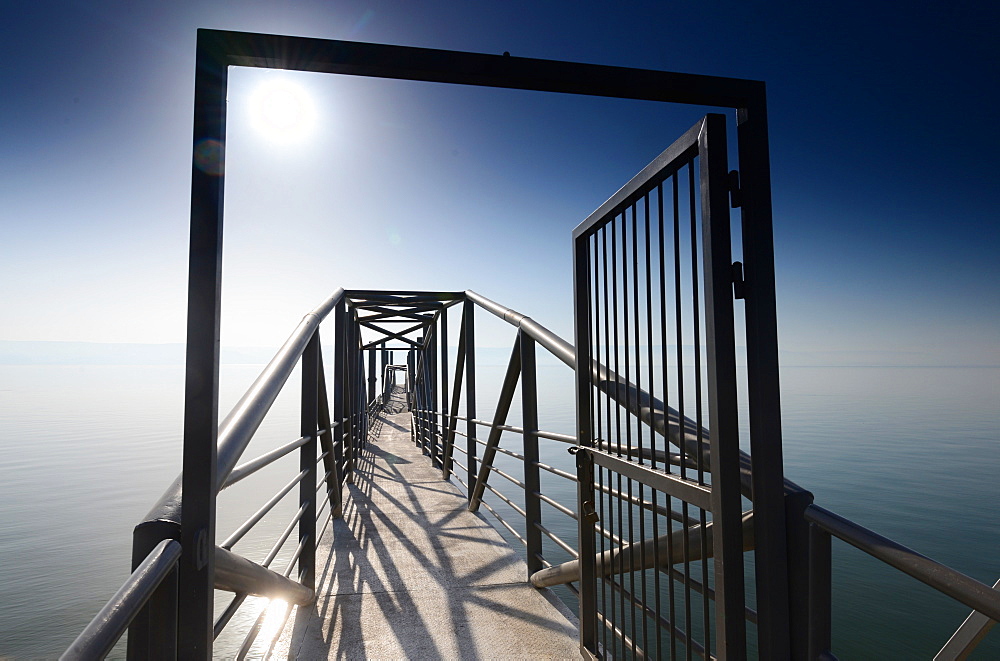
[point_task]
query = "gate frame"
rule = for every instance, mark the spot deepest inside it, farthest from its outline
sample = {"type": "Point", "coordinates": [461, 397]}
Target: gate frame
{"type": "Point", "coordinates": [217, 50]}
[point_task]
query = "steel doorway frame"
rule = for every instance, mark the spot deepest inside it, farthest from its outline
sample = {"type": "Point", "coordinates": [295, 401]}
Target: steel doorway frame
{"type": "Point", "coordinates": [218, 50]}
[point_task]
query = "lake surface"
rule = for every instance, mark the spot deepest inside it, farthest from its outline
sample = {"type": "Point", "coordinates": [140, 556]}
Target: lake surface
{"type": "Point", "coordinates": [913, 453]}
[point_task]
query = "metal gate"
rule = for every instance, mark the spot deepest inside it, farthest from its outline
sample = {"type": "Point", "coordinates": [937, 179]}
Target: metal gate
{"type": "Point", "coordinates": [661, 530]}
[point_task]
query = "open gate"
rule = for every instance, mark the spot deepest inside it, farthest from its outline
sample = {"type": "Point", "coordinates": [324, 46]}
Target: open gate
{"type": "Point", "coordinates": [661, 535]}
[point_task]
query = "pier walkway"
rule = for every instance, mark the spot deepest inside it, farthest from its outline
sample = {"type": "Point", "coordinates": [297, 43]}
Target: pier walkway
{"type": "Point", "coordinates": [409, 572]}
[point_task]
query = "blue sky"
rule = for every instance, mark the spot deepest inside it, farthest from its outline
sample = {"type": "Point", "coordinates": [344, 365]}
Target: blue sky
{"type": "Point", "coordinates": [883, 144]}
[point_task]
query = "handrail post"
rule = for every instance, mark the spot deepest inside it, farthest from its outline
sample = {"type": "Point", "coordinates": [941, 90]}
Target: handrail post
{"type": "Point", "coordinates": [452, 421]}
{"type": "Point", "coordinates": [468, 315]}
{"type": "Point", "coordinates": [153, 632]}
{"type": "Point", "coordinates": [331, 462]}
{"type": "Point", "coordinates": [432, 399]}
{"type": "Point", "coordinates": [799, 572]}
{"type": "Point", "coordinates": [307, 461]}
{"type": "Point", "coordinates": [820, 593]}
{"type": "Point", "coordinates": [532, 480]}
{"type": "Point", "coordinates": [499, 418]}
{"type": "Point", "coordinates": [445, 424]}
{"type": "Point", "coordinates": [340, 375]}
{"type": "Point", "coordinates": [371, 373]}
{"type": "Point", "coordinates": [587, 548]}
{"type": "Point", "coordinates": [585, 437]}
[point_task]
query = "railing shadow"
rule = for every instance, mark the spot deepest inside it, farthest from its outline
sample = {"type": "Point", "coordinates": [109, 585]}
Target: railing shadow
{"type": "Point", "coordinates": [408, 542]}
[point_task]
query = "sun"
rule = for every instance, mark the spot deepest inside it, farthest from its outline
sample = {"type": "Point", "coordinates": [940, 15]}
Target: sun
{"type": "Point", "coordinates": [282, 111]}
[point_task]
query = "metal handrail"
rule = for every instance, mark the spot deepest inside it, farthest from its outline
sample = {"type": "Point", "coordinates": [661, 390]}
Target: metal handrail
{"type": "Point", "coordinates": [681, 432]}
{"type": "Point", "coordinates": [944, 579]}
{"type": "Point", "coordinates": [100, 636]}
{"type": "Point", "coordinates": [236, 430]}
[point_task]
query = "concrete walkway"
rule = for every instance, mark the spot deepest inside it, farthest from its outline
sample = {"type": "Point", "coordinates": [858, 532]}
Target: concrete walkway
{"type": "Point", "coordinates": [409, 572]}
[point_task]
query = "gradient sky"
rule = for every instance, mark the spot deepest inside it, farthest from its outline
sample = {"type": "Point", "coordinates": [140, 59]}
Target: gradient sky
{"type": "Point", "coordinates": [884, 142]}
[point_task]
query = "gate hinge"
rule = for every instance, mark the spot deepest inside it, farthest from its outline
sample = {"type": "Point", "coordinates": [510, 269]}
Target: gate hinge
{"type": "Point", "coordinates": [738, 282]}
{"type": "Point", "coordinates": [735, 193]}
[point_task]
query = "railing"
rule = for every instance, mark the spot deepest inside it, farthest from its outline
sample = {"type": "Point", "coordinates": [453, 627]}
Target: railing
{"type": "Point", "coordinates": [645, 561]}
{"type": "Point", "coordinates": [147, 605]}
{"type": "Point", "coordinates": [641, 563]}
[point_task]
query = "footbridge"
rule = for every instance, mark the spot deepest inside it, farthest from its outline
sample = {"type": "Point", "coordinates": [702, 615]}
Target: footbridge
{"type": "Point", "coordinates": [433, 522]}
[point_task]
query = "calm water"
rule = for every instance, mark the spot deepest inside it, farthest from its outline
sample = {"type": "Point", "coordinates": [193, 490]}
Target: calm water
{"type": "Point", "coordinates": [912, 452]}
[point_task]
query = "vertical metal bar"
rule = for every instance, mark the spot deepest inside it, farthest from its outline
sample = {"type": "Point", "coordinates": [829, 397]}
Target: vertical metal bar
{"type": "Point", "coordinates": [532, 479]}
{"type": "Point", "coordinates": [820, 594]}
{"type": "Point", "coordinates": [444, 370]}
{"type": "Point", "coordinates": [608, 516]}
{"type": "Point", "coordinates": [307, 461]}
{"type": "Point", "coordinates": [452, 422]}
{"type": "Point", "coordinates": [618, 435]}
{"type": "Point", "coordinates": [679, 328]}
{"type": "Point", "coordinates": [340, 374]}
{"type": "Point", "coordinates": [723, 405]}
{"type": "Point", "coordinates": [627, 360]}
{"type": "Point", "coordinates": [331, 463]}
{"type": "Point", "coordinates": [664, 369]}
{"type": "Point", "coordinates": [371, 375]}
{"type": "Point", "coordinates": [588, 580]}
{"type": "Point", "coordinates": [153, 632]}
{"type": "Point", "coordinates": [584, 434]}
{"type": "Point", "coordinates": [771, 554]}
{"type": "Point", "coordinates": [698, 408]}
{"type": "Point", "coordinates": [432, 421]}
{"type": "Point", "coordinates": [196, 568]}
{"type": "Point", "coordinates": [652, 434]}
{"type": "Point", "coordinates": [799, 573]}
{"type": "Point", "coordinates": [350, 394]}
{"type": "Point", "coordinates": [499, 418]}
{"type": "Point", "coordinates": [411, 375]}
{"type": "Point", "coordinates": [469, 310]}
{"type": "Point", "coordinates": [383, 357]}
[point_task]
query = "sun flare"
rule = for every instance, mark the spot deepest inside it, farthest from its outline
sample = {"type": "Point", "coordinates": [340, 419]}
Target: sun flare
{"type": "Point", "coordinates": [282, 111]}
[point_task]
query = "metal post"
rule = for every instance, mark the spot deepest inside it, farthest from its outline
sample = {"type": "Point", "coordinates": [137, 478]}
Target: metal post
{"type": "Point", "coordinates": [432, 398]}
{"type": "Point", "coordinates": [588, 580]}
{"type": "Point", "coordinates": [327, 439]}
{"type": "Point", "coordinates": [499, 418]}
{"type": "Point", "coordinates": [309, 421]}
{"type": "Point", "coordinates": [196, 568]}
{"type": "Point", "coordinates": [445, 424]}
{"type": "Point", "coordinates": [350, 394]}
{"type": "Point", "coordinates": [820, 594]}
{"type": "Point", "coordinates": [371, 376]}
{"type": "Point", "coordinates": [340, 376]}
{"type": "Point", "coordinates": [585, 489]}
{"type": "Point", "coordinates": [532, 480]}
{"type": "Point", "coordinates": [153, 632]}
{"type": "Point", "coordinates": [799, 557]}
{"type": "Point", "coordinates": [468, 314]}
{"type": "Point", "coordinates": [771, 553]}
{"type": "Point", "coordinates": [452, 422]}
{"type": "Point", "coordinates": [720, 342]}
{"type": "Point", "coordinates": [411, 374]}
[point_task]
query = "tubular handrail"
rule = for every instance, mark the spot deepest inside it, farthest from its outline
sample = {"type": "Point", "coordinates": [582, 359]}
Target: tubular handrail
{"type": "Point", "coordinates": [264, 460]}
{"type": "Point", "coordinates": [679, 430]}
{"type": "Point", "coordinates": [944, 579]}
{"type": "Point", "coordinates": [100, 636]}
{"type": "Point", "coordinates": [236, 430]}
{"type": "Point", "coordinates": [565, 438]}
